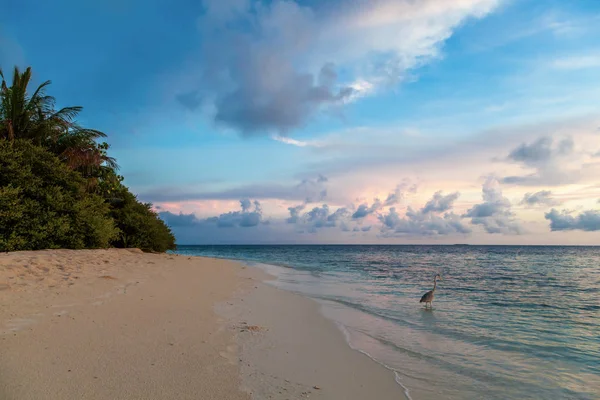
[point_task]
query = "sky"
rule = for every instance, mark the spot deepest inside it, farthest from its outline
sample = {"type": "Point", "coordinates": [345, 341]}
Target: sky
{"type": "Point", "coordinates": [340, 121]}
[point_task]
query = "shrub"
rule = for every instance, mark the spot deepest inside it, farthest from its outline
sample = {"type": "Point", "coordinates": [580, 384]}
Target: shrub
{"type": "Point", "coordinates": [139, 226]}
{"type": "Point", "coordinates": [44, 204]}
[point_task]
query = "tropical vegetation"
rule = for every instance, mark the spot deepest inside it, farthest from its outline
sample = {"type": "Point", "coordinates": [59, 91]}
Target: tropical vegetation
{"type": "Point", "coordinates": [59, 188]}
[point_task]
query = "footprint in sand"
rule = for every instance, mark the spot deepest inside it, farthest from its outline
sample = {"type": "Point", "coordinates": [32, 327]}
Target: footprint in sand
{"type": "Point", "coordinates": [18, 324]}
{"type": "Point", "coordinates": [61, 313]}
{"type": "Point", "coordinates": [230, 354]}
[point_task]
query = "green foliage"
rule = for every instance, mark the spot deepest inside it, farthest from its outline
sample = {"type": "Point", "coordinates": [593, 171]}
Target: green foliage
{"type": "Point", "coordinates": [58, 185]}
{"type": "Point", "coordinates": [44, 204]}
{"type": "Point", "coordinates": [139, 226]}
{"type": "Point", "coordinates": [33, 117]}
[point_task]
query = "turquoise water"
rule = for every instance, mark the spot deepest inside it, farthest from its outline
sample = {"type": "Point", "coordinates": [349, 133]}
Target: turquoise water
{"type": "Point", "coordinates": [507, 322]}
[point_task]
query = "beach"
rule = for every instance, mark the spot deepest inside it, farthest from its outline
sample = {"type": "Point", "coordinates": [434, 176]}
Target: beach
{"type": "Point", "coordinates": [122, 324]}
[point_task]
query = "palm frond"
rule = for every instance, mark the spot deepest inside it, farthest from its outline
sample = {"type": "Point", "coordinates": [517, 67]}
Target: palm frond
{"type": "Point", "coordinates": [4, 87]}
{"type": "Point", "coordinates": [67, 114]}
{"type": "Point", "coordinates": [40, 90]}
{"type": "Point", "coordinates": [91, 133]}
{"type": "Point", "coordinates": [111, 163]}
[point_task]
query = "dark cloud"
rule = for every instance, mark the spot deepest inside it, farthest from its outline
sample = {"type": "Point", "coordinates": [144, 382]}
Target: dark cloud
{"type": "Point", "coordinates": [541, 198]}
{"type": "Point", "coordinates": [266, 65]}
{"type": "Point", "coordinates": [440, 203]}
{"type": "Point", "coordinates": [314, 190]}
{"type": "Point", "coordinates": [532, 154]}
{"type": "Point", "coordinates": [256, 108]}
{"type": "Point", "coordinates": [177, 220]}
{"type": "Point", "coordinates": [399, 193]}
{"type": "Point", "coordinates": [318, 217]}
{"type": "Point", "coordinates": [563, 221]}
{"type": "Point", "coordinates": [245, 204]}
{"type": "Point", "coordinates": [364, 210]}
{"type": "Point", "coordinates": [494, 214]}
{"type": "Point", "coordinates": [547, 159]}
{"type": "Point", "coordinates": [427, 221]}
{"type": "Point", "coordinates": [249, 73]}
{"type": "Point", "coordinates": [250, 216]}
{"type": "Point", "coordinates": [295, 213]}
{"type": "Point", "coordinates": [321, 217]}
{"type": "Point", "coordinates": [418, 224]}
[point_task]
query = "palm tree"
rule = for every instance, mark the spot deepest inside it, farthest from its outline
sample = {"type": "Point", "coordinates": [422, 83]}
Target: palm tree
{"type": "Point", "coordinates": [35, 118]}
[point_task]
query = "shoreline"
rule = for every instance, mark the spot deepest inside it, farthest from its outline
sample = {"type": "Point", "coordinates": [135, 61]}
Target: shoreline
{"type": "Point", "coordinates": [292, 349]}
{"type": "Point", "coordinates": [120, 323]}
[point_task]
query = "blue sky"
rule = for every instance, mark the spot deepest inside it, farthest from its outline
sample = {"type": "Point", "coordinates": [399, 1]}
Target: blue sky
{"type": "Point", "coordinates": [295, 121]}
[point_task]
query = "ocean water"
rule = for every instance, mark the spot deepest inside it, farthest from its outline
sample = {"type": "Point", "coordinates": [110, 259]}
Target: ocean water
{"type": "Point", "coordinates": [507, 322]}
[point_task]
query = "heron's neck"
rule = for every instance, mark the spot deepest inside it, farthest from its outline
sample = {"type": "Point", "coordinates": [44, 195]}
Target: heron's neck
{"type": "Point", "coordinates": [434, 282]}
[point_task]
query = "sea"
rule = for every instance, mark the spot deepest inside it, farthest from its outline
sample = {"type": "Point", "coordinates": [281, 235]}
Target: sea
{"type": "Point", "coordinates": [507, 322]}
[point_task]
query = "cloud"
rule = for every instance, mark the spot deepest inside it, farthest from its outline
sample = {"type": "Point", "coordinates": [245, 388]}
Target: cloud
{"type": "Point", "coordinates": [532, 154]}
{"type": "Point", "coordinates": [250, 216]}
{"type": "Point", "coordinates": [355, 151]}
{"type": "Point", "coordinates": [393, 198]}
{"type": "Point", "coordinates": [547, 159]}
{"type": "Point", "coordinates": [297, 143]}
{"type": "Point", "coordinates": [295, 213]}
{"type": "Point", "coordinates": [425, 222]}
{"type": "Point", "coordinates": [364, 210]}
{"type": "Point", "coordinates": [418, 224]}
{"type": "Point", "coordinates": [268, 67]}
{"type": "Point", "coordinates": [324, 217]}
{"type": "Point", "coordinates": [577, 62]}
{"type": "Point", "coordinates": [321, 217]}
{"type": "Point", "coordinates": [562, 221]}
{"type": "Point", "coordinates": [440, 203]}
{"type": "Point", "coordinates": [178, 220]}
{"type": "Point", "coordinates": [494, 214]}
{"type": "Point", "coordinates": [541, 198]}
{"type": "Point", "coordinates": [313, 189]}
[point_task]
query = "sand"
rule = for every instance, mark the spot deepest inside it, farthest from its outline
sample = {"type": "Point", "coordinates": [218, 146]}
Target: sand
{"type": "Point", "coordinates": [121, 324]}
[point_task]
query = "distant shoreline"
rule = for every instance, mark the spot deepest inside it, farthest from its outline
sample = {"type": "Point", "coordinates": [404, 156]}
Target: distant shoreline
{"type": "Point", "coordinates": [387, 245]}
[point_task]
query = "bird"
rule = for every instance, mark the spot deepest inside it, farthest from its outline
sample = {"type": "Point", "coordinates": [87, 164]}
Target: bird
{"type": "Point", "coordinates": [428, 297]}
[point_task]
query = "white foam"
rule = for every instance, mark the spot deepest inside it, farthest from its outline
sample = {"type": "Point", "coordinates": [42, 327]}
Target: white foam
{"type": "Point", "coordinates": [396, 374]}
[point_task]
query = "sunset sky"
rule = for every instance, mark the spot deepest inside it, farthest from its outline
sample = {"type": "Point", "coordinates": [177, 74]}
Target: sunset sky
{"type": "Point", "coordinates": [354, 121]}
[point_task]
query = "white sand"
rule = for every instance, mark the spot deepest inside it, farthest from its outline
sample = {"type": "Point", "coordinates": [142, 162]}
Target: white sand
{"type": "Point", "coordinates": [149, 333]}
{"type": "Point", "coordinates": [295, 352]}
{"type": "Point", "coordinates": [120, 324]}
